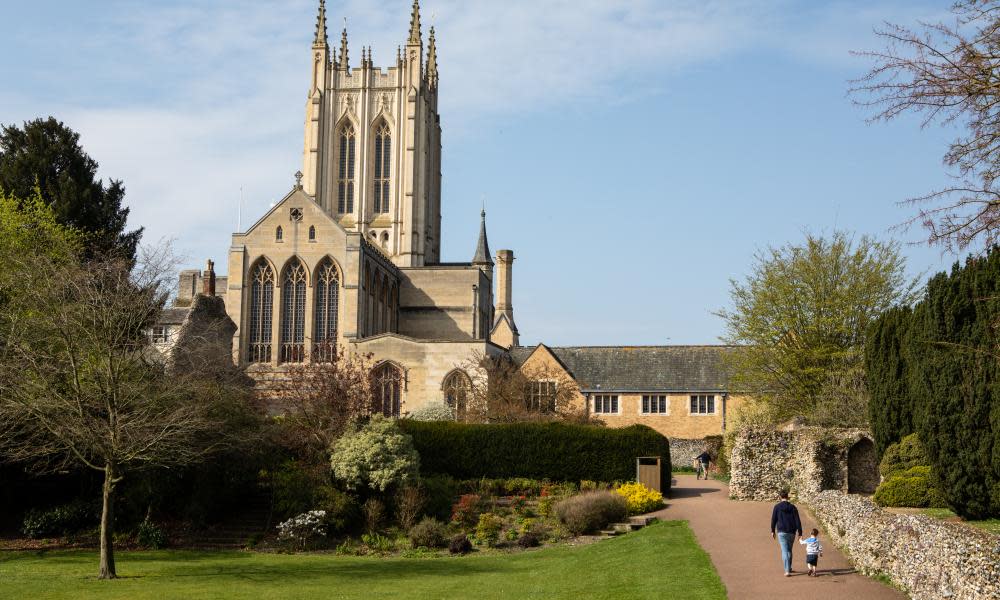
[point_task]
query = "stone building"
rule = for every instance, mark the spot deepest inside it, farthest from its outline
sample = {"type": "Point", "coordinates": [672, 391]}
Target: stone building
{"type": "Point", "coordinates": [350, 258]}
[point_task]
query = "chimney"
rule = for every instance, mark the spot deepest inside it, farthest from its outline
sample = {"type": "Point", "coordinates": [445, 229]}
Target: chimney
{"type": "Point", "coordinates": [208, 279]}
{"type": "Point", "coordinates": [505, 261]}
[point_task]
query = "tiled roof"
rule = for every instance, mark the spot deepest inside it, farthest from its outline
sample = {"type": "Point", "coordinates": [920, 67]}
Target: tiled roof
{"type": "Point", "coordinates": [641, 368]}
{"type": "Point", "coordinates": [172, 316]}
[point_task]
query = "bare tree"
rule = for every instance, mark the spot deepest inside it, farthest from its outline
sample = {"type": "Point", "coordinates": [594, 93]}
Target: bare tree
{"type": "Point", "coordinates": [317, 401]}
{"type": "Point", "coordinates": [502, 392]}
{"type": "Point", "coordinates": [948, 73]}
{"type": "Point", "coordinates": [80, 384]}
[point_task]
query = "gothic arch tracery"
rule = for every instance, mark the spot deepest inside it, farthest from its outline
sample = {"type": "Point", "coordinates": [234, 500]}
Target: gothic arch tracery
{"type": "Point", "coordinates": [293, 311]}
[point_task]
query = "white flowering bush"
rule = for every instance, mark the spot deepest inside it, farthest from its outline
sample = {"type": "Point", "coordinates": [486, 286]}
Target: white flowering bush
{"type": "Point", "coordinates": [376, 455]}
{"type": "Point", "coordinates": [302, 528]}
{"type": "Point", "coordinates": [438, 411]}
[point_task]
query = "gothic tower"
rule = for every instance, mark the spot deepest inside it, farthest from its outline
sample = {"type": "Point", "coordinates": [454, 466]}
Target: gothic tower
{"type": "Point", "coordinates": [372, 155]}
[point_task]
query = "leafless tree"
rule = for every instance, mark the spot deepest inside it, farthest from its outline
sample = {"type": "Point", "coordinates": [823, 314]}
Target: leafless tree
{"type": "Point", "coordinates": [316, 401]}
{"type": "Point", "coordinates": [502, 392]}
{"type": "Point", "coordinates": [80, 384]}
{"type": "Point", "coordinates": [949, 73]}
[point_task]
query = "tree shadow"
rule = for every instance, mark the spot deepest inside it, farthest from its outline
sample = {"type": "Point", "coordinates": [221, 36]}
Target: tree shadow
{"type": "Point", "coordinates": [691, 492]}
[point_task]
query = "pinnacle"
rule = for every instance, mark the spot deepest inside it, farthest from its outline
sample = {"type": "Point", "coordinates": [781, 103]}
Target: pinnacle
{"type": "Point", "coordinates": [321, 38]}
{"type": "Point", "coordinates": [415, 24]}
{"type": "Point", "coordinates": [344, 62]}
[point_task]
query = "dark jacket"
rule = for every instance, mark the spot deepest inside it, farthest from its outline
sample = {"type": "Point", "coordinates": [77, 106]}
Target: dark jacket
{"type": "Point", "coordinates": [704, 458]}
{"type": "Point", "coordinates": [785, 518]}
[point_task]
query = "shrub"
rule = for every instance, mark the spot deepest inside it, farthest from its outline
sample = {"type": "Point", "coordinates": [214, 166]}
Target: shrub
{"type": "Point", "coordinates": [528, 540]}
{"type": "Point", "coordinates": [376, 455]}
{"type": "Point", "coordinates": [302, 528]}
{"type": "Point", "coordinates": [441, 492]}
{"type": "Point", "coordinates": [488, 529]}
{"type": "Point", "coordinates": [639, 498]}
{"type": "Point", "coordinates": [61, 520]}
{"type": "Point", "coordinates": [294, 486]}
{"type": "Point", "coordinates": [460, 544]}
{"type": "Point", "coordinates": [591, 511]}
{"type": "Point", "coordinates": [374, 512]}
{"type": "Point", "coordinates": [545, 505]}
{"type": "Point", "coordinates": [466, 510]}
{"type": "Point", "coordinates": [377, 543]}
{"type": "Point", "coordinates": [342, 510]}
{"type": "Point", "coordinates": [149, 535]}
{"type": "Point", "coordinates": [409, 500]}
{"type": "Point", "coordinates": [902, 455]}
{"type": "Point", "coordinates": [437, 411]}
{"type": "Point", "coordinates": [556, 451]}
{"type": "Point", "coordinates": [428, 533]}
{"type": "Point", "coordinates": [912, 488]}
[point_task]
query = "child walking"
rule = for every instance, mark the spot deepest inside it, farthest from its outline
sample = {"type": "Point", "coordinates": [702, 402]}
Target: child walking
{"type": "Point", "coordinates": [813, 551]}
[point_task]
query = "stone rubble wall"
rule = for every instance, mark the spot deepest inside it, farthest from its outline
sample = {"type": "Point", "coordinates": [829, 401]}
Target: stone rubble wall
{"type": "Point", "coordinates": [928, 558]}
{"type": "Point", "coordinates": [682, 451]}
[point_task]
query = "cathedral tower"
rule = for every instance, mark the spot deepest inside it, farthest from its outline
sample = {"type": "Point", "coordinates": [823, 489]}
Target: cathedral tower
{"type": "Point", "coordinates": [372, 155]}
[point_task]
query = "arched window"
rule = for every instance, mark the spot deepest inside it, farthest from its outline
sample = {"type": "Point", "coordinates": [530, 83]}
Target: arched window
{"type": "Point", "coordinates": [312, 233]}
{"type": "Point", "coordinates": [345, 169]}
{"type": "Point", "coordinates": [278, 234]}
{"type": "Point", "coordinates": [387, 380]}
{"type": "Point", "coordinates": [327, 304]}
{"type": "Point", "coordinates": [383, 158]}
{"type": "Point", "coordinates": [293, 313]}
{"type": "Point", "coordinates": [261, 313]}
{"type": "Point", "coordinates": [457, 390]}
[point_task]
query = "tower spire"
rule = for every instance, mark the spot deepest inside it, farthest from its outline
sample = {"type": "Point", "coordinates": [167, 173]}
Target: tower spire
{"type": "Point", "coordinates": [482, 256]}
{"type": "Point", "coordinates": [432, 63]}
{"type": "Point", "coordinates": [321, 39]}
{"type": "Point", "coordinates": [344, 62]}
{"type": "Point", "coordinates": [415, 24]}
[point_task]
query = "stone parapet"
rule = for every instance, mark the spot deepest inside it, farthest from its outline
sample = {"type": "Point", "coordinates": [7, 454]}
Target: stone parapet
{"type": "Point", "coordinates": [928, 558]}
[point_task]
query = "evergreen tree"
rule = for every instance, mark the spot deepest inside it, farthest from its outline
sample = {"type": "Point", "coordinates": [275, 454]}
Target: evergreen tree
{"type": "Point", "coordinates": [890, 410]}
{"type": "Point", "coordinates": [46, 155]}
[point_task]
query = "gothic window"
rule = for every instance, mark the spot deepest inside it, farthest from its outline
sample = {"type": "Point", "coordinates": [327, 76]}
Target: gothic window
{"type": "Point", "coordinates": [325, 317]}
{"type": "Point", "coordinates": [312, 233]}
{"type": "Point", "coordinates": [261, 313]}
{"type": "Point", "coordinates": [457, 390]}
{"type": "Point", "coordinates": [383, 156]}
{"type": "Point", "coordinates": [388, 380]}
{"type": "Point", "coordinates": [293, 313]}
{"type": "Point", "coordinates": [345, 169]}
{"type": "Point", "coordinates": [278, 234]}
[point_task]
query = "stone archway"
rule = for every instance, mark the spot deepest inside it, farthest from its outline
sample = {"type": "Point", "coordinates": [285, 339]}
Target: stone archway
{"type": "Point", "coordinates": [862, 468]}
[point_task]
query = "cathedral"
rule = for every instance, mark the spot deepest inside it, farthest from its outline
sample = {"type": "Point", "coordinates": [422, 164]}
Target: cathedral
{"type": "Point", "coordinates": [350, 259]}
{"type": "Point", "coordinates": [351, 256]}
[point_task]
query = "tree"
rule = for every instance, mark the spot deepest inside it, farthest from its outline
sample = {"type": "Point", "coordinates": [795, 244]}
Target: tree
{"type": "Point", "coordinates": [798, 320]}
{"type": "Point", "coordinates": [891, 411]}
{"type": "Point", "coordinates": [80, 385]}
{"type": "Point", "coordinates": [501, 392]}
{"type": "Point", "coordinates": [45, 155]}
{"type": "Point", "coordinates": [948, 74]}
{"type": "Point", "coordinates": [319, 401]}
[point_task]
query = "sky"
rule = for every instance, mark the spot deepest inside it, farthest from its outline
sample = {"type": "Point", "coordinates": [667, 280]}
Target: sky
{"type": "Point", "coordinates": [634, 155]}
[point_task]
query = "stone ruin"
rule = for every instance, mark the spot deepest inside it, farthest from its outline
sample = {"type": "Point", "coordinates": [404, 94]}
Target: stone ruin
{"type": "Point", "coordinates": [804, 460]}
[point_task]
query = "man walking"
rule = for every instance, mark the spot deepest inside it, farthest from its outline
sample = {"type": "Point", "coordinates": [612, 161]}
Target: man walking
{"type": "Point", "coordinates": [701, 464]}
{"type": "Point", "coordinates": [785, 521]}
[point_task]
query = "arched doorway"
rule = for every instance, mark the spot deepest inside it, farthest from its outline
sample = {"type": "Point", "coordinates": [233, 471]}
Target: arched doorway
{"type": "Point", "coordinates": [862, 467]}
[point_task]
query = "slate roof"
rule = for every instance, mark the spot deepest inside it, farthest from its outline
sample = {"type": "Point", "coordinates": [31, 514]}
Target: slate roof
{"type": "Point", "coordinates": [172, 316]}
{"type": "Point", "coordinates": [641, 368]}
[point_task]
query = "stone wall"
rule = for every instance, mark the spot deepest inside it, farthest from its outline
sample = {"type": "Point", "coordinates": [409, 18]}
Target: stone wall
{"type": "Point", "coordinates": [682, 451]}
{"type": "Point", "coordinates": [928, 558]}
{"type": "Point", "coordinates": [803, 460]}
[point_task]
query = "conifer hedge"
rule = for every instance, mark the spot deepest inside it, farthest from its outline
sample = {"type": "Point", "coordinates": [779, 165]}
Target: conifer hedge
{"type": "Point", "coordinates": [947, 384]}
{"type": "Point", "coordinates": [555, 451]}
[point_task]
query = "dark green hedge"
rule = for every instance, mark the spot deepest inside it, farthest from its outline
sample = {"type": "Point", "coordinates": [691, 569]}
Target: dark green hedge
{"type": "Point", "coordinates": [939, 367]}
{"type": "Point", "coordinates": [555, 451]}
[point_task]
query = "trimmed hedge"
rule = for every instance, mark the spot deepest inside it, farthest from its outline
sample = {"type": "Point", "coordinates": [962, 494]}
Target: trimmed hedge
{"type": "Point", "coordinates": [912, 488]}
{"type": "Point", "coordinates": [556, 451]}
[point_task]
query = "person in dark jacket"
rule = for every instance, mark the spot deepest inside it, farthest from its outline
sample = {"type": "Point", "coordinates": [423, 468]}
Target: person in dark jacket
{"type": "Point", "coordinates": [785, 522]}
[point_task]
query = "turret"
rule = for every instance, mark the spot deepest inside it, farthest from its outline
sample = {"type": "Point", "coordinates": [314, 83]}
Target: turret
{"type": "Point", "coordinates": [320, 66]}
{"type": "Point", "coordinates": [482, 257]}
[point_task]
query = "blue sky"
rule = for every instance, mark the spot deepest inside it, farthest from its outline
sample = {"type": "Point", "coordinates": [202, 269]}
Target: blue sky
{"type": "Point", "coordinates": [634, 155]}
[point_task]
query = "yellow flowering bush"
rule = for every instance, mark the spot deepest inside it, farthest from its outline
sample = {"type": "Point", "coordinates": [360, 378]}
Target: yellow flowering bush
{"type": "Point", "coordinates": [639, 498]}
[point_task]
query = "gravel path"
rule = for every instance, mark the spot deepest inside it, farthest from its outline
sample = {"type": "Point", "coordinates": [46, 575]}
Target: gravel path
{"type": "Point", "coordinates": [736, 536]}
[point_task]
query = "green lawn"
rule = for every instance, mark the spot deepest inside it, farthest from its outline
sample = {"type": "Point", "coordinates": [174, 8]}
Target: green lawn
{"type": "Point", "coordinates": [991, 525]}
{"type": "Point", "coordinates": [660, 561]}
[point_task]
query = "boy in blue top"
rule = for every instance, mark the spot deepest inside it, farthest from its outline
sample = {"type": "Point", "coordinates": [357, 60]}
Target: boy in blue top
{"type": "Point", "coordinates": [813, 551]}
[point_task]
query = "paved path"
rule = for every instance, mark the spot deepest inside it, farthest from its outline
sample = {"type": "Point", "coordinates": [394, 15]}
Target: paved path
{"type": "Point", "coordinates": [736, 536]}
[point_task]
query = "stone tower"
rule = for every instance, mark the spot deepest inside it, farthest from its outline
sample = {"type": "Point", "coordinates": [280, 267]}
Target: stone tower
{"type": "Point", "coordinates": [372, 155]}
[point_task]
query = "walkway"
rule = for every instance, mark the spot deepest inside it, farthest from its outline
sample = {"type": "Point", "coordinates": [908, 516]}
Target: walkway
{"type": "Point", "coordinates": [736, 536]}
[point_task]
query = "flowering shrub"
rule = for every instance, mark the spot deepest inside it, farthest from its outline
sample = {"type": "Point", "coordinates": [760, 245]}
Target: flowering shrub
{"type": "Point", "coordinates": [488, 529]}
{"type": "Point", "coordinates": [640, 499]}
{"type": "Point", "coordinates": [466, 510]}
{"type": "Point", "coordinates": [302, 528]}
{"type": "Point", "coordinates": [518, 503]}
{"type": "Point", "coordinates": [545, 504]}
{"type": "Point", "coordinates": [376, 455]}
{"type": "Point", "coordinates": [433, 412]}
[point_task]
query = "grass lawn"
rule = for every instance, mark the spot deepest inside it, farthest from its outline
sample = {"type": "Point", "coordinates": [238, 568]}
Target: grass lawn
{"type": "Point", "coordinates": [991, 525]}
{"type": "Point", "coordinates": [659, 561]}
